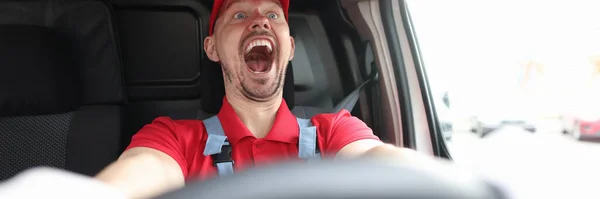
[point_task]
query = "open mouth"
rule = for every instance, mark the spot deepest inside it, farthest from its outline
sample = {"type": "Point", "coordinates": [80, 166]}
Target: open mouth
{"type": "Point", "coordinates": [259, 56]}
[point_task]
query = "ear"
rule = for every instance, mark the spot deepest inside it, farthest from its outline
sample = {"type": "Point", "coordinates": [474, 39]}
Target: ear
{"type": "Point", "coordinates": [293, 48]}
{"type": "Point", "coordinates": [210, 49]}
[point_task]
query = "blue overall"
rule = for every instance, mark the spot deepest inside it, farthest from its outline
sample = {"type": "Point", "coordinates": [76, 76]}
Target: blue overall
{"type": "Point", "coordinates": [219, 148]}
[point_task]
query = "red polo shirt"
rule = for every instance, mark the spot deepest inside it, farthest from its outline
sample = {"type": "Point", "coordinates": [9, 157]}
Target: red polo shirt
{"type": "Point", "coordinates": [184, 140]}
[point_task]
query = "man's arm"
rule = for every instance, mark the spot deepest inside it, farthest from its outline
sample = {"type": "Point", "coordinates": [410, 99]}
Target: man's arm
{"type": "Point", "coordinates": [378, 149]}
{"type": "Point", "coordinates": [142, 172]}
{"type": "Point", "coordinates": [347, 136]}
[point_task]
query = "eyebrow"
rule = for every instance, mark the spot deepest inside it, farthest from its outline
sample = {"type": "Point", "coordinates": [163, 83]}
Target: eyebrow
{"type": "Point", "coordinates": [229, 3]}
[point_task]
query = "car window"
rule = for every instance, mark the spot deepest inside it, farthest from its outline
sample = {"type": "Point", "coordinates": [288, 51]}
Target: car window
{"type": "Point", "coordinates": [521, 77]}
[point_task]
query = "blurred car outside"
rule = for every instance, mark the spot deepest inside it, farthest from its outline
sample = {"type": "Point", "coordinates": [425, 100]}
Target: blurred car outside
{"type": "Point", "coordinates": [581, 121]}
{"type": "Point", "coordinates": [503, 111]}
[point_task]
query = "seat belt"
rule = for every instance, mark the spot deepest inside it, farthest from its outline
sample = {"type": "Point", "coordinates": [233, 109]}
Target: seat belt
{"type": "Point", "coordinates": [219, 148]}
{"type": "Point", "coordinates": [308, 144]}
{"type": "Point", "coordinates": [349, 101]}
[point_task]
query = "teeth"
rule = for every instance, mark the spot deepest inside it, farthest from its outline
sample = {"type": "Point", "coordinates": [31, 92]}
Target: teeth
{"type": "Point", "coordinates": [259, 42]}
{"type": "Point", "coordinates": [257, 72]}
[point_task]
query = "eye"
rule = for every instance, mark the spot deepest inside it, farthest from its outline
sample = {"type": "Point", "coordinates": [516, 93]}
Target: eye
{"type": "Point", "coordinates": [272, 16]}
{"type": "Point", "coordinates": [239, 15]}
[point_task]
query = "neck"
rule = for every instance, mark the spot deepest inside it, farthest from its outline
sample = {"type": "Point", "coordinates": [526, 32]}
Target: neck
{"type": "Point", "coordinates": [257, 116]}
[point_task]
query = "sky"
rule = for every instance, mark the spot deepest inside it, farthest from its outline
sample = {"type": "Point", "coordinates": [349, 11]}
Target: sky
{"type": "Point", "coordinates": [476, 49]}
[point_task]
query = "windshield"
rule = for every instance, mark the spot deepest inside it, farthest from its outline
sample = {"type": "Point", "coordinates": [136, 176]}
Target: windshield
{"type": "Point", "coordinates": [520, 74]}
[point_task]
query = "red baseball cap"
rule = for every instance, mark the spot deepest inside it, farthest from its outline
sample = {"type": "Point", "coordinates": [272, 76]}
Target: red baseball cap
{"type": "Point", "coordinates": [285, 4]}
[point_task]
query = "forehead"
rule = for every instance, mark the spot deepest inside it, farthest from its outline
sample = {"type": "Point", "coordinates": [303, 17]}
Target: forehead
{"type": "Point", "coordinates": [228, 3]}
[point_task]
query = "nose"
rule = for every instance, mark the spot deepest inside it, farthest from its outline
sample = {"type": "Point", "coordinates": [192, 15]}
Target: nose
{"type": "Point", "coordinates": [260, 23]}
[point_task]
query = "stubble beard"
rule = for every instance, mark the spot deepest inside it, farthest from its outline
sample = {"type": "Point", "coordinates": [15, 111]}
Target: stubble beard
{"type": "Point", "coordinates": [264, 91]}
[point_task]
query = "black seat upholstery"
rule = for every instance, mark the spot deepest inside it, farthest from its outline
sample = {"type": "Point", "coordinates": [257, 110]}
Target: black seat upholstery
{"type": "Point", "coordinates": [316, 75]}
{"type": "Point", "coordinates": [60, 87]}
{"type": "Point", "coordinates": [161, 42]}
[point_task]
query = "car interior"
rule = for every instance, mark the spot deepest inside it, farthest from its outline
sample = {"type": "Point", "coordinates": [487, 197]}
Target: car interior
{"type": "Point", "coordinates": [82, 76]}
{"type": "Point", "coordinates": [92, 73]}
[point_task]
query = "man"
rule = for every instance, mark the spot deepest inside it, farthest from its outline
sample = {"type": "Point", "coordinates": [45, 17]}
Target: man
{"type": "Point", "coordinates": [251, 40]}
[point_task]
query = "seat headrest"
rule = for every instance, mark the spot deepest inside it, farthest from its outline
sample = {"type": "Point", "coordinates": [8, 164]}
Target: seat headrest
{"type": "Point", "coordinates": [213, 88]}
{"type": "Point", "coordinates": [36, 72]}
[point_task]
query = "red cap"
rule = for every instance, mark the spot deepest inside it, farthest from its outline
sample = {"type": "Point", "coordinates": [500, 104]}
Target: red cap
{"type": "Point", "coordinates": [285, 4]}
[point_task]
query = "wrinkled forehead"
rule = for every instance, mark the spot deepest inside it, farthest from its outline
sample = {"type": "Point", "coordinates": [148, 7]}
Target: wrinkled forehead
{"type": "Point", "coordinates": [228, 3]}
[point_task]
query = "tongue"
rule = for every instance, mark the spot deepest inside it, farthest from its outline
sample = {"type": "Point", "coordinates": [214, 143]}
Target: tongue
{"type": "Point", "coordinates": [258, 65]}
{"type": "Point", "coordinates": [257, 60]}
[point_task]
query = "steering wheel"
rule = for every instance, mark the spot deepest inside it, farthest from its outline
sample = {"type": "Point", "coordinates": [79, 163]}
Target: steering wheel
{"type": "Point", "coordinates": [333, 179]}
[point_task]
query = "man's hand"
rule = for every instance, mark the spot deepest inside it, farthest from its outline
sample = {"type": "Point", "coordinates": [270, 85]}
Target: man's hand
{"type": "Point", "coordinates": [49, 182]}
{"type": "Point", "coordinates": [143, 172]}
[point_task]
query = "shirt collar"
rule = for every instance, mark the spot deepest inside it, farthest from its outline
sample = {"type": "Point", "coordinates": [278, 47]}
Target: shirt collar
{"type": "Point", "coordinates": [284, 129]}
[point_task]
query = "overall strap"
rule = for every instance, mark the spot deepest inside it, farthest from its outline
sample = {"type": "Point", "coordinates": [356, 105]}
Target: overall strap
{"type": "Point", "coordinates": [308, 147]}
{"type": "Point", "coordinates": [217, 146]}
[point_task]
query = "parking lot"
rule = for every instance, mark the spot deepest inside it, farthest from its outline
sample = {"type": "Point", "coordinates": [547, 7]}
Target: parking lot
{"type": "Point", "coordinates": [545, 162]}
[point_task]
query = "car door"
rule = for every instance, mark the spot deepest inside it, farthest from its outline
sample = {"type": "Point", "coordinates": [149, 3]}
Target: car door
{"type": "Point", "coordinates": [422, 119]}
{"type": "Point", "coordinates": [404, 102]}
